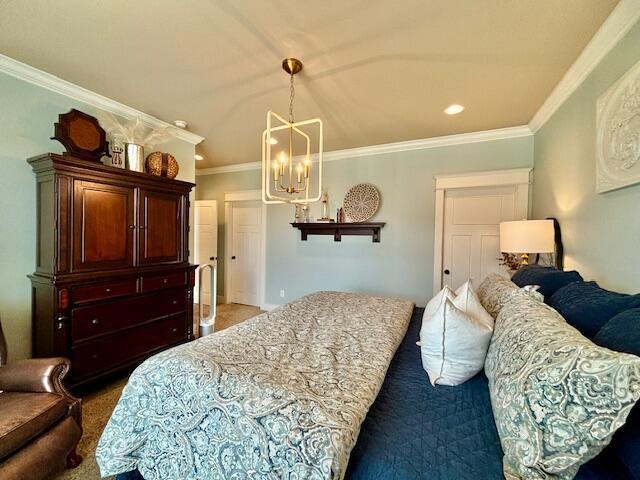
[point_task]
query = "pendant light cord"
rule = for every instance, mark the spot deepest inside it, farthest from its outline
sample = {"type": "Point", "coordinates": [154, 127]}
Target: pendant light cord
{"type": "Point", "coordinates": [292, 94]}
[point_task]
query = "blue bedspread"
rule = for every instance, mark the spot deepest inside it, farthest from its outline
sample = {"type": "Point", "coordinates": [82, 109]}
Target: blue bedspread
{"type": "Point", "coordinates": [416, 431]}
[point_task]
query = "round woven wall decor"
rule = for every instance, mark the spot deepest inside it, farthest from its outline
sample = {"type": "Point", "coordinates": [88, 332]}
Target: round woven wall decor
{"type": "Point", "coordinates": [361, 202]}
{"type": "Point", "coordinates": [162, 164]}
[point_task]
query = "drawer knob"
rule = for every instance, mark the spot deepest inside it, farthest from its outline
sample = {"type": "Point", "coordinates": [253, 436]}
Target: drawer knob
{"type": "Point", "coordinates": [174, 330]}
{"type": "Point", "coordinates": [165, 280]}
{"type": "Point", "coordinates": [175, 302]}
{"type": "Point", "coordinates": [108, 290]}
{"type": "Point", "coordinates": [95, 321]}
{"type": "Point", "coordinates": [94, 356]}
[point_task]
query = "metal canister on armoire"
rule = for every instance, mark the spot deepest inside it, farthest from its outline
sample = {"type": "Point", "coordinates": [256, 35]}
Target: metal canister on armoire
{"type": "Point", "coordinates": [134, 157]}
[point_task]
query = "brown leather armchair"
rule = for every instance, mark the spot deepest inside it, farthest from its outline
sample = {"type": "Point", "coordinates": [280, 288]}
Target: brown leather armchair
{"type": "Point", "coordinates": [40, 422]}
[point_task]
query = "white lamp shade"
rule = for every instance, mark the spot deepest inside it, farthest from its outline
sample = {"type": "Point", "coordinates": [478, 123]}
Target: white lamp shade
{"type": "Point", "coordinates": [527, 236]}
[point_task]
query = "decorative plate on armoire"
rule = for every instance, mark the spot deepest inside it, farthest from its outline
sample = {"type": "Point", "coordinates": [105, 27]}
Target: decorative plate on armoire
{"type": "Point", "coordinates": [81, 135]}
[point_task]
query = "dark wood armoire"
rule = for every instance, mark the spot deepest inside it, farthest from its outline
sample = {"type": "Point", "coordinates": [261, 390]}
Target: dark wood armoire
{"type": "Point", "coordinates": [112, 284]}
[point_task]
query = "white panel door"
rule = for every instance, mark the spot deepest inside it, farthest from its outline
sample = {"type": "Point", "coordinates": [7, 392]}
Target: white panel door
{"type": "Point", "coordinates": [205, 244]}
{"type": "Point", "coordinates": [245, 253]}
{"type": "Point", "coordinates": [471, 239]}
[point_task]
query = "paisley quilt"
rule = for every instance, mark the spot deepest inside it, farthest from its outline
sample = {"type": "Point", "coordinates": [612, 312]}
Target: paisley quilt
{"type": "Point", "coordinates": [279, 396]}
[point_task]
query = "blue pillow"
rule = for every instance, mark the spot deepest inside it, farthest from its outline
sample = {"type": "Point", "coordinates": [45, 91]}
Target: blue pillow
{"type": "Point", "coordinates": [622, 333]}
{"type": "Point", "coordinates": [550, 279]}
{"type": "Point", "coordinates": [605, 466]}
{"type": "Point", "coordinates": [587, 307]}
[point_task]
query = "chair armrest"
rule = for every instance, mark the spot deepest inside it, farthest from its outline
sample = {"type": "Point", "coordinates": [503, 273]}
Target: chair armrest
{"type": "Point", "coordinates": [35, 375]}
{"type": "Point", "coordinates": [40, 375]}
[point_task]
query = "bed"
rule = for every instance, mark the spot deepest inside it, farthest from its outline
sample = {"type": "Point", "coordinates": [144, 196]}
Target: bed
{"type": "Point", "coordinates": [282, 395]}
{"type": "Point", "coordinates": [412, 430]}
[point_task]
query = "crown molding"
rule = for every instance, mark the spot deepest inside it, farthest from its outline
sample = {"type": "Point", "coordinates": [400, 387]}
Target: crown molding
{"type": "Point", "coordinates": [422, 144]}
{"type": "Point", "coordinates": [55, 84]}
{"type": "Point", "coordinates": [617, 24]}
{"type": "Point", "coordinates": [236, 167]}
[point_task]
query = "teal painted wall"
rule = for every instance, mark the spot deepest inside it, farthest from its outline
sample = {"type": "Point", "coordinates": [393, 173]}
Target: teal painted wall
{"type": "Point", "coordinates": [27, 115]}
{"type": "Point", "coordinates": [600, 231]}
{"type": "Point", "coordinates": [402, 264]}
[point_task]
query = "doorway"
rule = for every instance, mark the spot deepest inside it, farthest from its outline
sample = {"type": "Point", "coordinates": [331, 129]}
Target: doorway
{"type": "Point", "coordinates": [469, 209]}
{"type": "Point", "coordinates": [205, 245]}
{"type": "Point", "coordinates": [245, 216]}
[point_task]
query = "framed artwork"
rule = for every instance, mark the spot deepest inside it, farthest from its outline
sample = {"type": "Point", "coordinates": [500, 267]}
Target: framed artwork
{"type": "Point", "coordinates": [618, 133]}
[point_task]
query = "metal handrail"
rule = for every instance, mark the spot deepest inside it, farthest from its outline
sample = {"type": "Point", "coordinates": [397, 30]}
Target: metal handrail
{"type": "Point", "coordinates": [207, 325]}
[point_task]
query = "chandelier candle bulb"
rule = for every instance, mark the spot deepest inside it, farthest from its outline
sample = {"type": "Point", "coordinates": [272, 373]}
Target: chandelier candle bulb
{"type": "Point", "coordinates": [299, 172]}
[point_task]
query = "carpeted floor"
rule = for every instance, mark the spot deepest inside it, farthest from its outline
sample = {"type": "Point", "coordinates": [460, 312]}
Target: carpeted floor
{"type": "Point", "coordinates": [97, 406]}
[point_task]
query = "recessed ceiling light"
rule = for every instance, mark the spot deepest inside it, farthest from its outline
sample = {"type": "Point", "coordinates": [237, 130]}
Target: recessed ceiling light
{"type": "Point", "coordinates": [180, 123]}
{"type": "Point", "coordinates": [197, 156]}
{"type": "Point", "coordinates": [273, 141]}
{"type": "Point", "coordinates": [453, 109]}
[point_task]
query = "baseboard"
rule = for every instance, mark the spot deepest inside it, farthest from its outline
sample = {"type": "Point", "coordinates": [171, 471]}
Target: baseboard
{"type": "Point", "coordinates": [267, 307]}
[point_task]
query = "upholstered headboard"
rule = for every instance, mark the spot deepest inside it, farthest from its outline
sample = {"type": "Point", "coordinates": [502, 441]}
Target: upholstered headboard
{"type": "Point", "coordinates": [555, 259]}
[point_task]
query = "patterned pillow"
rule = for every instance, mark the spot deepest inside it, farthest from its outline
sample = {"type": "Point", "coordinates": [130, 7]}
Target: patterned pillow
{"type": "Point", "coordinates": [494, 292]}
{"type": "Point", "coordinates": [557, 398]}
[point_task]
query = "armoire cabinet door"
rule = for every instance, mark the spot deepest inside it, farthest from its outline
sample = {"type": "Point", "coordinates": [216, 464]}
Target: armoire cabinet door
{"type": "Point", "coordinates": [103, 226]}
{"type": "Point", "coordinates": [161, 226]}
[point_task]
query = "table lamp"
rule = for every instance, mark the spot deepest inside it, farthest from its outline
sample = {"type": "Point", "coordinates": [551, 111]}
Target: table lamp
{"type": "Point", "coordinates": [527, 236]}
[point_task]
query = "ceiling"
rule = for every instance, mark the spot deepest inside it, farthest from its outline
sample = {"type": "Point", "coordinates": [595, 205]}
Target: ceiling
{"type": "Point", "coordinates": [376, 71]}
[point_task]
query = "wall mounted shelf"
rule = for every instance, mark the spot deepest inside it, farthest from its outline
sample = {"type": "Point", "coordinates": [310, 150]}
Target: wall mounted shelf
{"type": "Point", "coordinates": [338, 229]}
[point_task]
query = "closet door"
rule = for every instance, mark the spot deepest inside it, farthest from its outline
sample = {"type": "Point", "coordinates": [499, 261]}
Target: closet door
{"type": "Point", "coordinates": [471, 239]}
{"type": "Point", "coordinates": [161, 218]}
{"type": "Point", "coordinates": [103, 226]}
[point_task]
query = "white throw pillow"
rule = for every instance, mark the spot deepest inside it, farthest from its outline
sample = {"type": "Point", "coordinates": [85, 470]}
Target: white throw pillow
{"type": "Point", "coordinates": [435, 302]}
{"type": "Point", "coordinates": [454, 343]}
{"type": "Point", "coordinates": [467, 300]}
{"type": "Point", "coordinates": [464, 298]}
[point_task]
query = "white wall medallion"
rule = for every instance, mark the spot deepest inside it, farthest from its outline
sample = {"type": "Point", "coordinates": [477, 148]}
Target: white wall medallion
{"type": "Point", "coordinates": [361, 202]}
{"type": "Point", "coordinates": [618, 134]}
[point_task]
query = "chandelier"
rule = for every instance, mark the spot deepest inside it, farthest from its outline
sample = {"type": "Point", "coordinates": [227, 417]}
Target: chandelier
{"type": "Point", "coordinates": [287, 146]}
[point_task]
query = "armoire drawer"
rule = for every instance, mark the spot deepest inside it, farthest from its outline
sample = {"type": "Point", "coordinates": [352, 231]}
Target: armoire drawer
{"type": "Point", "coordinates": [100, 291]}
{"type": "Point", "coordinates": [93, 320]}
{"type": "Point", "coordinates": [108, 352]}
{"type": "Point", "coordinates": [151, 283]}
